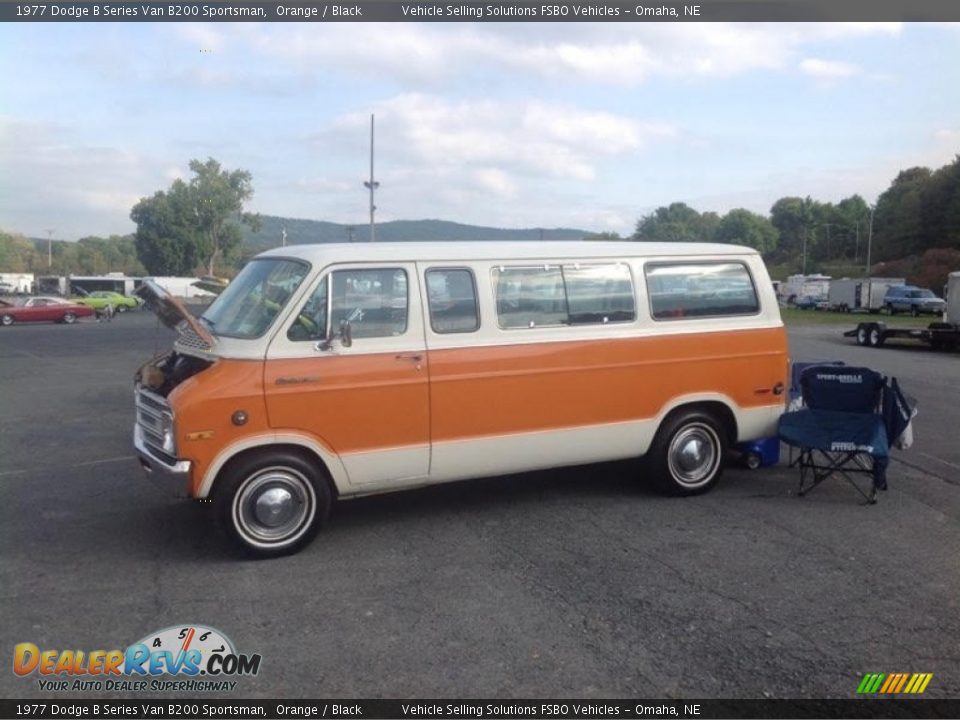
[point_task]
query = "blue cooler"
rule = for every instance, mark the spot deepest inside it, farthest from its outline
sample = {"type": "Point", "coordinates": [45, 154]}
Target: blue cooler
{"type": "Point", "coordinates": [759, 453]}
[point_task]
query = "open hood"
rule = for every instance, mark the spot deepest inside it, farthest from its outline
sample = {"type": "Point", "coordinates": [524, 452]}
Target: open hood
{"type": "Point", "coordinates": [171, 311]}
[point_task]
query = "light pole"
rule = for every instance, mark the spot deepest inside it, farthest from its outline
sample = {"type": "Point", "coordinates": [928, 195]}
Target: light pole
{"type": "Point", "coordinates": [804, 250]}
{"type": "Point", "coordinates": [371, 185]}
{"type": "Point", "coordinates": [50, 247]}
{"type": "Point", "coordinates": [856, 251]}
{"type": "Point", "coordinates": [870, 239]}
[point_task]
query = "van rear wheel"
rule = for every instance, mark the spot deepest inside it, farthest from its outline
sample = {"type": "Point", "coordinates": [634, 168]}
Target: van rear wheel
{"type": "Point", "coordinates": [686, 456]}
{"type": "Point", "coordinates": [272, 504]}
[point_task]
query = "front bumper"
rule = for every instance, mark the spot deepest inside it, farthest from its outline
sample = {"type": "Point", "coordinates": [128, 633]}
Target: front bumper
{"type": "Point", "coordinates": [171, 478]}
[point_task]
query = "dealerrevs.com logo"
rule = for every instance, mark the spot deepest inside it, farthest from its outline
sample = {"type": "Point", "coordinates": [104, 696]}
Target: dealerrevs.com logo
{"type": "Point", "coordinates": [200, 658]}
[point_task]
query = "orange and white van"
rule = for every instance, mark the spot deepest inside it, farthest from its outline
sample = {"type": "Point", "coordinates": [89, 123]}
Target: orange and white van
{"type": "Point", "coordinates": [333, 371]}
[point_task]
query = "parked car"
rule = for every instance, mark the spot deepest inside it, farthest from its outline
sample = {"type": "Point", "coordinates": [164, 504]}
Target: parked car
{"type": "Point", "coordinates": [101, 298]}
{"type": "Point", "coordinates": [7, 288]}
{"type": "Point", "coordinates": [805, 302]}
{"type": "Point", "coordinates": [908, 298]}
{"type": "Point", "coordinates": [41, 309]}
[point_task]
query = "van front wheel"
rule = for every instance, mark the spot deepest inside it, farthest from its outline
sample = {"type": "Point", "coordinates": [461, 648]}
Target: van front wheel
{"type": "Point", "coordinates": [272, 504]}
{"type": "Point", "coordinates": [686, 456]}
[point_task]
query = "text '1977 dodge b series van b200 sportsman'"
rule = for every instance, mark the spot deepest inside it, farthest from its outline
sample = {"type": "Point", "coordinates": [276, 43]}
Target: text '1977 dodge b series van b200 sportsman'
{"type": "Point", "coordinates": [331, 371]}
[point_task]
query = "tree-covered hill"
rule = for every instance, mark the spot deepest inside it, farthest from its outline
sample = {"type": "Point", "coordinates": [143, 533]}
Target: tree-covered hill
{"type": "Point", "coordinates": [301, 231]}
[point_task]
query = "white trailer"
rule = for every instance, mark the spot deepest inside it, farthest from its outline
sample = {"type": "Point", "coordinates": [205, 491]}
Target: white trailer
{"type": "Point", "coordinates": [16, 282]}
{"type": "Point", "coordinates": [181, 286]}
{"type": "Point", "coordinates": [874, 290]}
{"type": "Point", "coordinates": [814, 286]}
{"type": "Point", "coordinates": [860, 294]}
{"type": "Point", "coordinates": [844, 294]}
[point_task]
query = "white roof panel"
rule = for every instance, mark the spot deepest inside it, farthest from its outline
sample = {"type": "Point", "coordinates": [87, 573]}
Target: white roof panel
{"type": "Point", "coordinates": [496, 250]}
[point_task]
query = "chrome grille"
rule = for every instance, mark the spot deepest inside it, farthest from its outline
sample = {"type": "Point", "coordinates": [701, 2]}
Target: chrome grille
{"type": "Point", "coordinates": [150, 410]}
{"type": "Point", "coordinates": [189, 339]}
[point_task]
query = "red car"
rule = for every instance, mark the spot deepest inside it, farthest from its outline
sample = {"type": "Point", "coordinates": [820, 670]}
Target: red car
{"type": "Point", "coordinates": [40, 309]}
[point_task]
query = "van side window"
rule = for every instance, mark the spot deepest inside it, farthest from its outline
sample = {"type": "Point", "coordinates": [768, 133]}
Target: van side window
{"type": "Point", "coordinates": [530, 296]}
{"type": "Point", "coordinates": [573, 294]}
{"type": "Point", "coordinates": [689, 290]}
{"type": "Point", "coordinates": [599, 294]}
{"type": "Point", "coordinates": [311, 321]}
{"type": "Point", "coordinates": [374, 301]}
{"type": "Point", "coordinates": [452, 295]}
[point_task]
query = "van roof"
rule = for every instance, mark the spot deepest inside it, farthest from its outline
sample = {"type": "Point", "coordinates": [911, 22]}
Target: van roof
{"type": "Point", "coordinates": [500, 250]}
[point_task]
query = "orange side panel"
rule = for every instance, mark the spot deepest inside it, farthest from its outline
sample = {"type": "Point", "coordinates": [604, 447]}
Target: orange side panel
{"type": "Point", "coordinates": [519, 388]}
{"type": "Point", "coordinates": [352, 402]}
{"type": "Point", "coordinates": [207, 401]}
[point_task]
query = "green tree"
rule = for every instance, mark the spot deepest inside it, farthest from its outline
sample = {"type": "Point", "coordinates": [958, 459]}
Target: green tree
{"type": "Point", "coordinates": [794, 218]}
{"type": "Point", "coordinates": [941, 207]}
{"type": "Point", "coordinates": [852, 219]}
{"type": "Point", "coordinates": [193, 223]}
{"type": "Point", "coordinates": [677, 222]}
{"type": "Point", "coordinates": [220, 196]}
{"type": "Point", "coordinates": [898, 220]}
{"type": "Point", "coordinates": [167, 237]}
{"type": "Point", "coordinates": [15, 253]}
{"type": "Point", "coordinates": [743, 227]}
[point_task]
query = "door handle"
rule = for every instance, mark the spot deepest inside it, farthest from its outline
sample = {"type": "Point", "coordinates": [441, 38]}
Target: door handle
{"type": "Point", "coordinates": [417, 359]}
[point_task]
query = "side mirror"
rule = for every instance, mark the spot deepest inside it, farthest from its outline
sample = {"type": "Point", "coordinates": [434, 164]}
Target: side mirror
{"type": "Point", "coordinates": [346, 333]}
{"type": "Point", "coordinates": [345, 336]}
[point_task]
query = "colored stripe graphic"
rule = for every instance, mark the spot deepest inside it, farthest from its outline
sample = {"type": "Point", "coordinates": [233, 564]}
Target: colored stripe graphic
{"type": "Point", "coordinates": [894, 684]}
{"type": "Point", "coordinates": [870, 683]}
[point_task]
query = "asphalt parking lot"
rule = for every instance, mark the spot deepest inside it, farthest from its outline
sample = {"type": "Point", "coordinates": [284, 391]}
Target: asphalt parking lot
{"type": "Point", "coordinates": [570, 583]}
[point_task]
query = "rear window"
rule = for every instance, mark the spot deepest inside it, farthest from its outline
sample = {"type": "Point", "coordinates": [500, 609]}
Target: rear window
{"type": "Point", "coordinates": [695, 290]}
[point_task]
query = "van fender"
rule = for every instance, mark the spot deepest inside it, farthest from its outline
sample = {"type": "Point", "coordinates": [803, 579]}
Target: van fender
{"type": "Point", "coordinates": [692, 399]}
{"type": "Point", "coordinates": [332, 461]}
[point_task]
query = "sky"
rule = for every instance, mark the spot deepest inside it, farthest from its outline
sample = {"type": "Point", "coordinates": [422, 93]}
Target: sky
{"type": "Point", "coordinates": [516, 125]}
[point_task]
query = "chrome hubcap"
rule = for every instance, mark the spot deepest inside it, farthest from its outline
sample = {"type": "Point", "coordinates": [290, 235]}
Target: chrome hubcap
{"type": "Point", "coordinates": [274, 506]}
{"type": "Point", "coordinates": [694, 454]}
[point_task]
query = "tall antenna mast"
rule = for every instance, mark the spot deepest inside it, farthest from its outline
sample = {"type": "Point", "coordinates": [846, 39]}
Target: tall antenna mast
{"type": "Point", "coordinates": [372, 185]}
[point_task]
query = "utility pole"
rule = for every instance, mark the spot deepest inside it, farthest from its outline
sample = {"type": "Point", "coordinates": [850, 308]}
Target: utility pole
{"type": "Point", "coordinates": [372, 185]}
{"type": "Point", "coordinates": [870, 238]}
{"type": "Point", "coordinates": [856, 252]}
{"type": "Point", "coordinates": [50, 247]}
{"type": "Point", "coordinates": [804, 249]}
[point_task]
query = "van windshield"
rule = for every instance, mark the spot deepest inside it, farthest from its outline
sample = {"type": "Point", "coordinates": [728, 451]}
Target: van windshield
{"type": "Point", "coordinates": [250, 304]}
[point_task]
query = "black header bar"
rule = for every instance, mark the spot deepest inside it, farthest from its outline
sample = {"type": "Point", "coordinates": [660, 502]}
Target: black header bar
{"type": "Point", "coordinates": [484, 11]}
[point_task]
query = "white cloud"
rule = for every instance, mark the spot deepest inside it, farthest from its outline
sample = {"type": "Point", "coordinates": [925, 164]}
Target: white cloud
{"type": "Point", "coordinates": [531, 139]}
{"type": "Point", "coordinates": [208, 37]}
{"type": "Point", "coordinates": [948, 137]}
{"type": "Point", "coordinates": [505, 163]}
{"type": "Point", "coordinates": [621, 54]}
{"type": "Point", "coordinates": [493, 180]}
{"type": "Point", "coordinates": [828, 69]}
{"type": "Point", "coordinates": [50, 181]}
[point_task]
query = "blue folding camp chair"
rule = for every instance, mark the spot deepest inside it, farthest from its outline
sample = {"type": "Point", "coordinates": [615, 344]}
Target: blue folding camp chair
{"type": "Point", "coordinates": [850, 419]}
